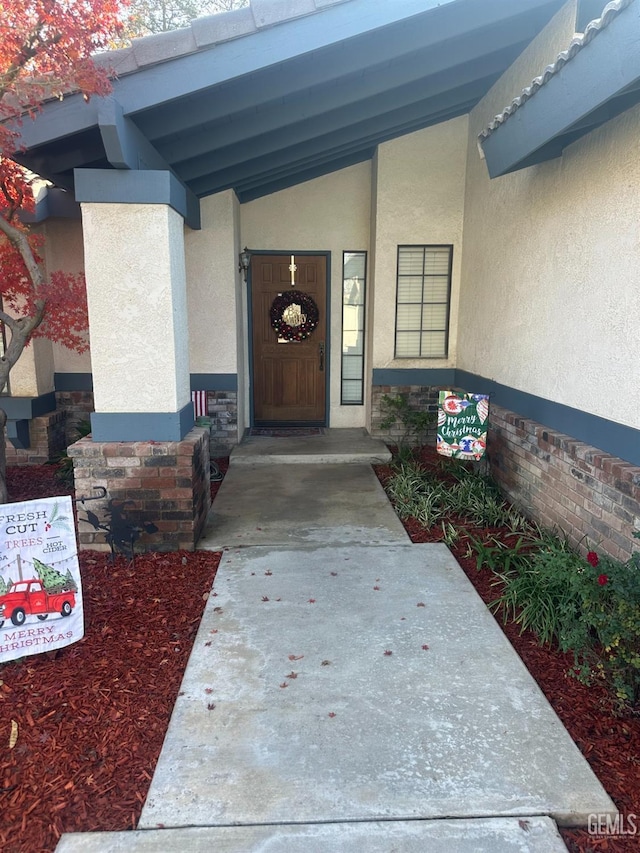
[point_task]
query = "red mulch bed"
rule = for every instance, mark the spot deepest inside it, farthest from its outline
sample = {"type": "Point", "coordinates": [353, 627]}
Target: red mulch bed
{"type": "Point", "coordinates": [609, 741]}
{"type": "Point", "coordinates": [92, 717]}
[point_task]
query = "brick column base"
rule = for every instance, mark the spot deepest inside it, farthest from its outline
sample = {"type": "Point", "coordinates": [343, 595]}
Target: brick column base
{"type": "Point", "coordinates": [46, 438]}
{"type": "Point", "coordinates": [167, 484]}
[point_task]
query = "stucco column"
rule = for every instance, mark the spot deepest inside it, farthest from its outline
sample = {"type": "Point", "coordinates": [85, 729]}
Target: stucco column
{"type": "Point", "coordinates": [32, 375]}
{"type": "Point", "coordinates": [136, 289]}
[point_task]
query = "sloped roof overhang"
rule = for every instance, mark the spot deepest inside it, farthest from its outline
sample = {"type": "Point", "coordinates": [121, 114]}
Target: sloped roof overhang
{"type": "Point", "coordinates": [287, 101]}
{"type": "Point", "coordinates": [594, 80]}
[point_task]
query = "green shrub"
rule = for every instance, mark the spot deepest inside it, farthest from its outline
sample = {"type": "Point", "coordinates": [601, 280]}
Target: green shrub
{"type": "Point", "coordinates": [416, 422]}
{"type": "Point", "coordinates": [590, 607]}
{"type": "Point", "coordinates": [611, 611]}
{"type": "Point", "coordinates": [587, 606]}
{"type": "Point", "coordinates": [415, 493]}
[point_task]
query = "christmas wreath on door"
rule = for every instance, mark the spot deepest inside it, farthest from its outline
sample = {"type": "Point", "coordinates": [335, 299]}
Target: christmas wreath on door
{"type": "Point", "coordinates": [294, 315]}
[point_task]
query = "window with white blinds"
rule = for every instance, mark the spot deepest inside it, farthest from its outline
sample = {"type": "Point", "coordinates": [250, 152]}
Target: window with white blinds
{"type": "Point", "coordinates": [422, 302]}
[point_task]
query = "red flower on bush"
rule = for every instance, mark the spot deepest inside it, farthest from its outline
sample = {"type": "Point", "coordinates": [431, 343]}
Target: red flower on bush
{"type": "Point", "coordinates": [602, 579]}
{"type": "Point", "coordinates": [592, 558]}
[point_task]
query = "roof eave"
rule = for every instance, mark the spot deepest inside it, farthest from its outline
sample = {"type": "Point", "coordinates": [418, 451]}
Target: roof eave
{"type": "Point", "coordinates": [599, 82]}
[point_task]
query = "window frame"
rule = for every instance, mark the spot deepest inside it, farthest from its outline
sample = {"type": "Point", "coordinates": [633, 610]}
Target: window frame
{"type": "Point", "coordinates": [359, 402]}
{"type": "Point", "coordinates": [424, 247]}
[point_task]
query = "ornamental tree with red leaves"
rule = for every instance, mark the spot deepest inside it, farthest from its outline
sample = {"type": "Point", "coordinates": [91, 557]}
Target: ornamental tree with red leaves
{"type": "Point", "coordinates": [46, 49]}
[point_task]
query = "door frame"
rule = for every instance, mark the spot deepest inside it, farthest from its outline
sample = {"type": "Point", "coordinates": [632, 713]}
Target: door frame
{"type": "Point", "coordinates": [327, 346]}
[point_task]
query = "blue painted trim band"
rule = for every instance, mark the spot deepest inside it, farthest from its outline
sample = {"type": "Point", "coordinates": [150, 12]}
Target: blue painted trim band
{"type": "Point", "coordinates": [151, 186]}
{"type": "Point", "coordinates": [142, 426]}
{"type": "Point", "coordinates": [18, 434]}
{"type": "Point", "coordinates": [618, 440]}
{"type": "Point", "coordinates": [53, 203]}
{"type": "Point", "coordinates": [21, 408]}
{"type": "Point", "coordinates": [214, 382]}
{"type": "Point", "coordinates": [73, 381]}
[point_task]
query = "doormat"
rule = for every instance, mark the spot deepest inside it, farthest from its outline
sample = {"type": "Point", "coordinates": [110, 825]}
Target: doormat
{"type": "Point", "coordinates": [285, 432]}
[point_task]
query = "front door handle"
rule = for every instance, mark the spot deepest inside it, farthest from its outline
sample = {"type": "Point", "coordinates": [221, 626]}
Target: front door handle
{"type": "Point", "coordinates": [321, 351]}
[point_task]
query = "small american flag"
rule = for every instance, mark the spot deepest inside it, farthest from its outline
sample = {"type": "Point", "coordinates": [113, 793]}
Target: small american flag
{"type": "Point", "coordinates": [200, 407]}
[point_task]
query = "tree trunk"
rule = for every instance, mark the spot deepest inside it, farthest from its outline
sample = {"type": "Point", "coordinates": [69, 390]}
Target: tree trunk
{"type": "Point", "coordinates": [4, 496]}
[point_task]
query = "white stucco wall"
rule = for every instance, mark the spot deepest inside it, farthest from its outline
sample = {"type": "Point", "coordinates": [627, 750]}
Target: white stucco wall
{"type": "Point", "coordinates": [32, 375]}
{"type": "Point", "coordinates": [212, 279]}
{"type": "Point", "coordinates": [215, 293]}
{"type": "Point", "coordinates": [242, 330]}
{"type": "Point", "coordinates": [64, 251]}
{"type": "Point", "coordinates": [136, 291]}
{"type": "Point", "coordinates": [332, 214]}
{"type": "Point", "coordinates": [420, 181]}
{"type": "Point", "coordinates": [551, 265]}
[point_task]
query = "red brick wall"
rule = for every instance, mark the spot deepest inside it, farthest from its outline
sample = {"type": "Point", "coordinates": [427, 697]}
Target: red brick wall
{"type": "Point", "coordinates": [223, 411]}
{"type": "Point", "coordinates": [47, 440]}
{"type": "Point", "coordinates": [77, 406]}
{"type": "Point", "coordinates": [167, 482]}
{"type": "Point", "coordinates": [419, 397]}
{"type": "Point", "coordinates": [561, 482]}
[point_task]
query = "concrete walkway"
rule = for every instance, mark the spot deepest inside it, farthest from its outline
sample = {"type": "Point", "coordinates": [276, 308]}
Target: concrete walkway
{"type": "Point", "coordinates": [348, 690]}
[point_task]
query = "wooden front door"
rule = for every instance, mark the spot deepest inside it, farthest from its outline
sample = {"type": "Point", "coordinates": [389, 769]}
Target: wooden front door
{"type": "Point", "coordinates": [289, 377]}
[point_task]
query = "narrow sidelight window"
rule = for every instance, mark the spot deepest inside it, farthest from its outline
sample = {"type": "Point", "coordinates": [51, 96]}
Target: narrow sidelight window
{"type": "Point", "coordinates": [354, 268]}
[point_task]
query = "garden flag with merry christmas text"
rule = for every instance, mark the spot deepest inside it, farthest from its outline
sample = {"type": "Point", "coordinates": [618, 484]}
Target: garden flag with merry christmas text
{"type": "Point", "coordinates": [462, 424]}
{"type": "Point", "coordinates": [40, 585]}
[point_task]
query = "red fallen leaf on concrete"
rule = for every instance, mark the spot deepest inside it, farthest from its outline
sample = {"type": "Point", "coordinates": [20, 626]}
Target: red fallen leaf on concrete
{"type": "Point", "coordinates": [296, 657]}
{"type": "Point", "coordinates": [331, 714]}
{"type": "Point", "coordinates": [292, 675]}
{"type": "Point", "coordinates": [425, 648]}
{"type": "Point", "coordinates": [208, 689]}
{"type": "Point", "coordinates": [284, 684]}
{"type": "Point", "coordinates": [388, 652]}
{"type": "Point", "coordinates": [377, 588]}
{"type": "Point", "coordinates": [312, 601]}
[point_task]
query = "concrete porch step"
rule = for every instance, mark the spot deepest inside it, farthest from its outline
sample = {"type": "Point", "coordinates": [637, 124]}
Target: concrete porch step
{"type": "Point", "coordinates": [332, 446]}
{"type": "Point", "coordinates": [480, 835]}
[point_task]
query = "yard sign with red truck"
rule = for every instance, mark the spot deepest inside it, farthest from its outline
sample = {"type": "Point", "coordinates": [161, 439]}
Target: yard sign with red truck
{"type": "Point", "coordinates": [40, 585]}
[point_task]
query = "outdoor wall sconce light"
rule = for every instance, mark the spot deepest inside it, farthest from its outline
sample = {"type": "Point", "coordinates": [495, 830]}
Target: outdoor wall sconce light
{"type": "Point", "coordinates": [245, 259]}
